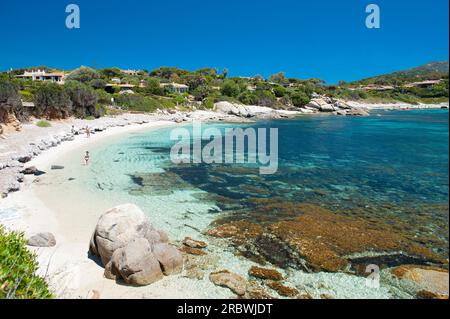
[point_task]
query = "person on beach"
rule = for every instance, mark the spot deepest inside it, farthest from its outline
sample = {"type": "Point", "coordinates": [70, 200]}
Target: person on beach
{"type": "Point", "coordinates": [73, 129]}
{"type": "Point", "coordinates": [88, 132]}
{"type": "Point", "coordinates": [86, 158]}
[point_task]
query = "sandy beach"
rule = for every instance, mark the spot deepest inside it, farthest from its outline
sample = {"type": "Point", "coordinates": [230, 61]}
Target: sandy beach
{"type": "Point", "coordinates": [67, 267]}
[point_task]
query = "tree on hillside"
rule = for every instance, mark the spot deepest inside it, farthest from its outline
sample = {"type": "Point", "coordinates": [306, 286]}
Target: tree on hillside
{"type": "Point", "coordinates": [10, 102]}
{"type": "Point", "coordinates": [280, 78]}
{"type": "Point", "coordinates": [84, 75]}
{"type": "Point", "coordinates": [225, 73]}
{"type": "Point", "coordinates": [51, 101]}
{"type": "Point", "coordinates": [153, 87]}
{"type": "Point", "coordinates": [194, 81]}
{"type": "Point", "coordinates": [279, 91]}
{"type": "Point", "coordinates": [201, 92]}
{"type": "Point", "coordinates": [98, 83]}
{"type": "Point", "coordinates": [300, 98]}
{"type": "Point", "coordinates": [84, 99]}
{"type": "Point", "coordinates": [230, 88]}
{"type": "Point", "coordinates": [111, 73]}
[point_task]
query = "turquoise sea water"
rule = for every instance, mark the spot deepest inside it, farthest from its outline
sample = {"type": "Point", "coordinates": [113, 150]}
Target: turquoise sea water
{"type": "Point", "coordinates": [393, 159]}
{"type": "Point", "coordinates": [389, 168]}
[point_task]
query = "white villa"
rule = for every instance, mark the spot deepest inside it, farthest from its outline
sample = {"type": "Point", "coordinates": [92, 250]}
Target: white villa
{"type": "Point", "coordinates": [41, 75]}
{"type": "Point", "coordinates": [175, 87]}
{"type": "Point", "coordinates": [130, 72]}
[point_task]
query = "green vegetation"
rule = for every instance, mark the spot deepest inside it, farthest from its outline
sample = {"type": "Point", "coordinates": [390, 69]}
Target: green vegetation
{"type": "Point", "coordinates": [430, 71]}
{"type": "Point", "coordinates": [90, 93]}
{"type": "Point", "coordinates": [43, 124]}
{"type": "Point", "coordinates": [10, 102]}
{"type": "Point", "coordinates": [18, 279]}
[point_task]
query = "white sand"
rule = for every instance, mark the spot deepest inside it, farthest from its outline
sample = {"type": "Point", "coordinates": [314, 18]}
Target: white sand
{"type": "Point", "coordinates": [67, 267]}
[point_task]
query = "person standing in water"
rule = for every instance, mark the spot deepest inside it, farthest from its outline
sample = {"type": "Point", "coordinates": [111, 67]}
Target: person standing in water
{"type": "Point", "coordinates": [88, 132]}
{"type": "Point", "coordinates": [87, 157]}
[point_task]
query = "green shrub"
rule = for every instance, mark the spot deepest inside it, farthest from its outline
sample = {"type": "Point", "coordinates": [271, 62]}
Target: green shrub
{"type": "Point", "coordinates": [83, 97]}
{"type": "Point", "coordinates": [52, 101]}
{"type": "Point", "coordinates": [43, 124]}
{"type": "Point", "coordinates": [135, 102]}
{"type": "Point", "coordinates": [26, 95]}
{"type": "Point", "coordinates": [300, 98]}
{"type": "Point", "coordinates": [230, 88]}
{"type": "Point", "coordinates": [10, 102]}
{"type": "Point", "coordinates": [208, 103]}
{"type": "Point", "coordinates": [18, 279]}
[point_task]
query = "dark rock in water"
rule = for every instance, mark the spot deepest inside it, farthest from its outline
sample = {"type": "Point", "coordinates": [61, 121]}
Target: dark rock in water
{"type": "Point", "coordinates": [386, 261]}
{"type": "Point", "coordinates": [56, 167]}
{"type": "Point", "coordinates": [278, 252]}
{"type": "Point", "coordinates": [24, 159]}
{"type": "Point", "coordinates": [32, 170]}
{"type": "Point", "coordinates": [42, 240]}
{"type": "Point", "coordinates": [71, 179]}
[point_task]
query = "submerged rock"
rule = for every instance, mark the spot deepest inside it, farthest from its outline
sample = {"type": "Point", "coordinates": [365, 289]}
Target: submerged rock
{"type": "Point", "coordinates": [283, 290]}
{"type": "Point", "coordinates": [188, 241]}
{"type": "Point", "coordinates": [193, 251]}
{"type": "Point", "coordinates": [42, 240]}
{"type": "Point", "coordinates": [256, 291]}
{"type": "Point", "coordinates": [265, 273]}
{"type": "Point", "coordinates": [312, 238]}
{"type": "Point", "coordinates": [230, 280]}
{"type": "Point", "coordinates": [432, 282]}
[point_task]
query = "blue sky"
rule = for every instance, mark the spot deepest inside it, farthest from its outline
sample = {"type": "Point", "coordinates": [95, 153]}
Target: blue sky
{"type": "Point", "coordinates": [323, 38]}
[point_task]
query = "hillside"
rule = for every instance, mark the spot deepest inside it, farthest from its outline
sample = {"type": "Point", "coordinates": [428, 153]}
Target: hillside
{"type": "Point", "coordinates": [429, 71]}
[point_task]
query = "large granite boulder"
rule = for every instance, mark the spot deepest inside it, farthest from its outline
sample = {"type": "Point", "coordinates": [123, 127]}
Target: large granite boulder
{"type": "Point", "coordinates": [131, 249]}
{"type": "Point", "coordinates": [136, 264]}
{"type": "Point", "coordinates": [116, 228]}
{"type": "Point", "coordinates": [169, 258]}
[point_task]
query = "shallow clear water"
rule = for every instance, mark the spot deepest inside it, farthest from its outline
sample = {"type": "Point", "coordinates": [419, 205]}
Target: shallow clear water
{"type": "Point", "coordinates": [390, 168]}
{"type": "Point", "coordinates": [395, 160]}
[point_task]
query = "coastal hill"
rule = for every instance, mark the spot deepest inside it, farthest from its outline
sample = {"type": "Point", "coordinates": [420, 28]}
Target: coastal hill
{"type": "Point", "coordinates": [46, 93]}
{"type": "Point", "coordinates": [430, 71]}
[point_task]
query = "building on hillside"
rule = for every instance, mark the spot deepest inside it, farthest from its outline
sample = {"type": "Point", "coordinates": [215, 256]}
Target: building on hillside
{"type": "Point", "coordinates": [176, 87]}
{"type": "Point", "coordinates": [423, 84]}
{"type": "Point", "coordinates": [40, 75]}
{"type": "Point", "coordinates": [116, 80]}
{"type": "Point", "coordinates": [130, 72]}
{"type": "Point", "coordinates": [123, 88]}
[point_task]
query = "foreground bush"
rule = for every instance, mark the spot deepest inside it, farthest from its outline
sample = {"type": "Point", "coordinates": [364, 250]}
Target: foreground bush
{"type": "Point", "coordinates": [17, 269]}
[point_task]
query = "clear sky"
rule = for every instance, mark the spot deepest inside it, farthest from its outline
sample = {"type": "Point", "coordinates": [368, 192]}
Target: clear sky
{"type": "Point", "coordinates": [322, 38]}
